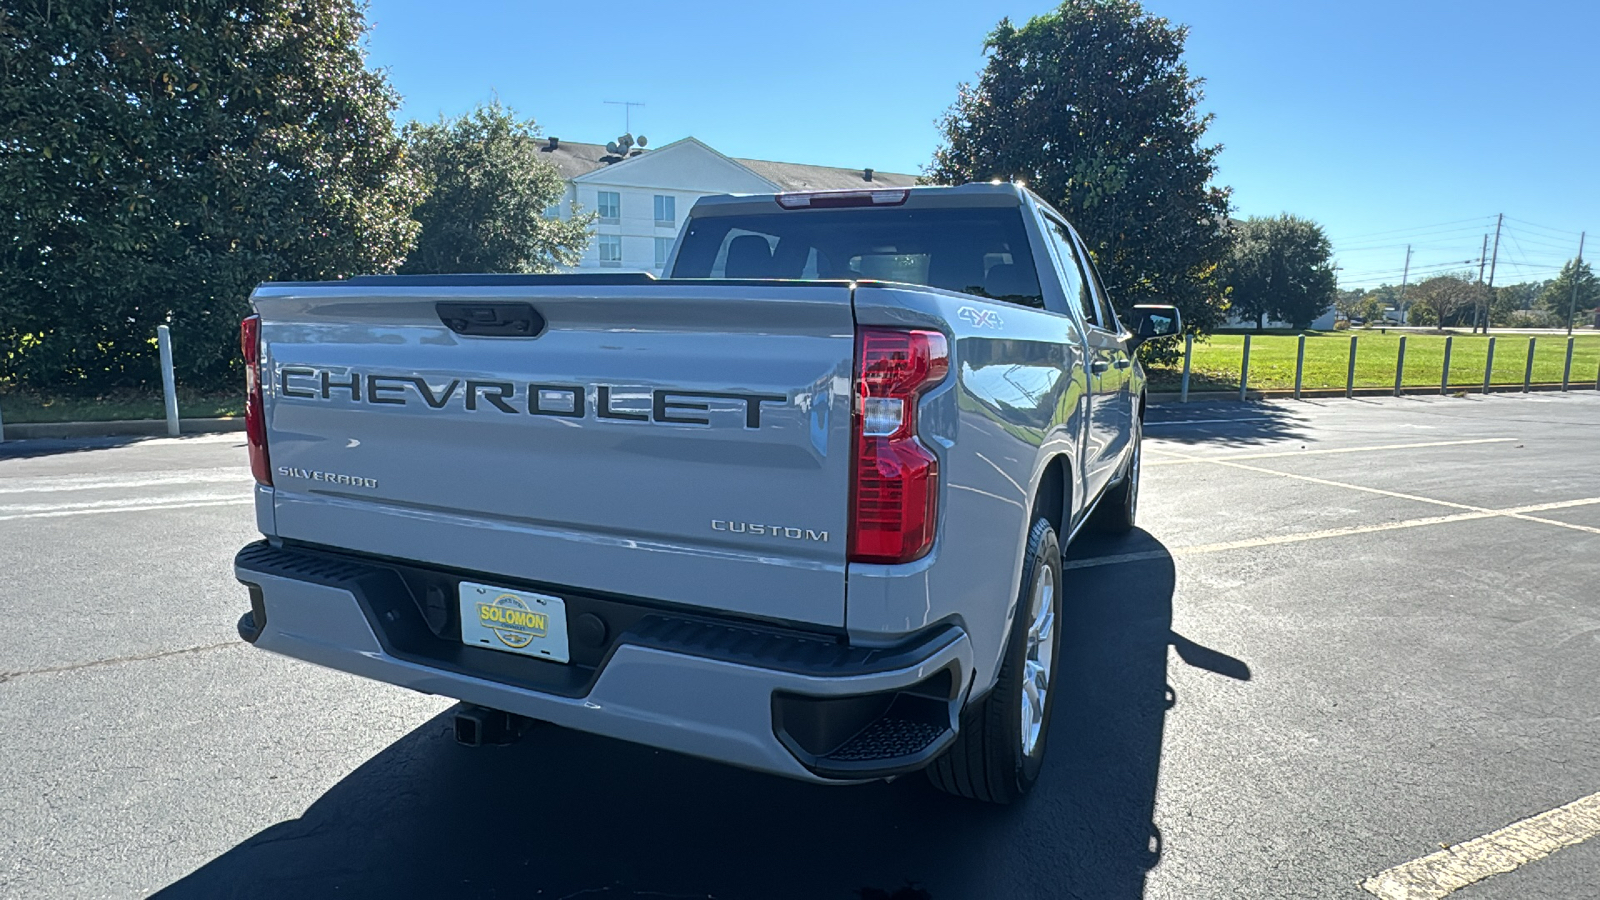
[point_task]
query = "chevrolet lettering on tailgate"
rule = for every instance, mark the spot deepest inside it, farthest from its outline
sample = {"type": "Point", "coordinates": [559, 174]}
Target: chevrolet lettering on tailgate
{"type": "Point", "coordinates": [570, 401]}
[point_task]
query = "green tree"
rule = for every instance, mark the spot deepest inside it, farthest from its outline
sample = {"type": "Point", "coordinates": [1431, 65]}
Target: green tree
{"type": "Point", "coordinates": [1512, 297]}
{"type": "Point", "coordinates": [1443, 299]}
{"type": "Point", "coordinates": [1576, 288]}
{"type": "Point", "coordinates": [1279, 267]}
{"type": "Point", "coordinates": [1370, 309]}
{"type": "Point", "coordinates": [488, 191]}
{"type": "Point", "coordinates": [1093, 107]}
{"type": "Point", "coordinates": [158, 160]}
{"type": "Point", "coordinates": [1356, 303]}
{"type": "Point", "coordinates": [1348, 302]}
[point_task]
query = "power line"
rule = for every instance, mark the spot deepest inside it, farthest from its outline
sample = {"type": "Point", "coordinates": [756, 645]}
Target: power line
{"type": "Point", "coordinates": [1542, 243]}
{"type": "Point", "coordinates": [1558, 232]}
{"type": "Point", "coordinates": [1413, 228]}
{"type": "Point", "coordinates": [1401, 241]}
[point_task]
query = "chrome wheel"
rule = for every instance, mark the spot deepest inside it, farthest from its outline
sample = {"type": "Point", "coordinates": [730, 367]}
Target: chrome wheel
{"type": "Point", "coordinates": [1041, 654]}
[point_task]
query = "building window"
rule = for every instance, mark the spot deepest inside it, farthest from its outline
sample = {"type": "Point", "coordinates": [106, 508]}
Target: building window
{"type": "Point", "coordinates": [610, 207]}
{"type": "Point", "coordinates": [666, 210]}
{"type": "Point", "coordinates": [610, 249]}
{"type": "Point", "coordinates": [663, 250]}
{"type": "Point", "coordinates": [553, 211]}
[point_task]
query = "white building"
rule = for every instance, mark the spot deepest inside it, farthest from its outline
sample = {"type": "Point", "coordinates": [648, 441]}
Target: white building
{"type": "Point", "coordinates": [643, 197]}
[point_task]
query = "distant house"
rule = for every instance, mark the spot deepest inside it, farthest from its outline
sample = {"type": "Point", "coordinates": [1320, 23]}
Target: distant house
{"type": "Point", "coordinates": [642, 196]}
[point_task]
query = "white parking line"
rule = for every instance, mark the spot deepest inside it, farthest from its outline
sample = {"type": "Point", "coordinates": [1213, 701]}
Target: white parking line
{"type": "Point", "coordinates": [1183, 460]}
{"type": "Point", "coordinates": [8, 513]}
{"type": "Point", "coordinates": [1472, 513]}
{"type": "Point", "coordinates": [1215, 421]}
{"type": "Point", "coordinates": [1438, 874]}
{"type": "Point", "coordinates": [52, 483]}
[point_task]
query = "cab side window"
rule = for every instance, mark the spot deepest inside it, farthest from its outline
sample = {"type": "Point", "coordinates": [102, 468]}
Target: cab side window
{"type": "Point", "coordinates": [1108, 316]}
{"type": "Point", "coordinates": [1071, 271]}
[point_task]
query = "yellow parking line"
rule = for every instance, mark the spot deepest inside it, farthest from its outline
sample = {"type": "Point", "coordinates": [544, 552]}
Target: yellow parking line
{"type": "Point", "coordinates": [1182, 459]}
{"type": "Point", "coordinates": [1438, 874]}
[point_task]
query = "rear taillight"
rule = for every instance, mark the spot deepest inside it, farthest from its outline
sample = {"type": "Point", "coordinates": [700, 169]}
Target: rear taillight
{"type": "Point", "coordinates": [895, 493]}
{"type": "Point", "coordinates": [255, 415]}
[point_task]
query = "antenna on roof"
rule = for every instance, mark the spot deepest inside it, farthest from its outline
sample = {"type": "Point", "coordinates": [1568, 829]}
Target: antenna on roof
{"type": "Point", "coordinates": [627, 112]}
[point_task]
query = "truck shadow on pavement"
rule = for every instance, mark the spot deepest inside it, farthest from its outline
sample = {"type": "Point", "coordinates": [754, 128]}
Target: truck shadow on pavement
{"type": "Point", "coordinates": [1226, 424]}
{"type": "Point", "coordinates": [566, 815]}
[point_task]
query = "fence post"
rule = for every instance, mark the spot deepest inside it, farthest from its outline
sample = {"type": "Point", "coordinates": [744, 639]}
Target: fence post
{"type": "Point", "coordinates": [1350, 378]}
{"type": "Point", "coordinates": [169, 387]}
{"type": "Point", "coordinates": [1444, 379]}
{"type": "Point", "coordinates": [1488, 366]}
{"type": "Point", "coordinates": [1527, 373]}
{"type": "Point", "coordinates": [1244, 369]}
{"type": "Point", "coordinates": [1188, 351]}
{"type": "Point", "coordinates": [1400, 366]}
{"type": "Point", "coordinates": [1566, 369]}
{"type": "Point", "coordinates": [1299, 365]}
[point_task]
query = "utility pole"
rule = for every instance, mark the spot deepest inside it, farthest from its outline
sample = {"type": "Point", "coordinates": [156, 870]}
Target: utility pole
{"type": "Point", "coordinates": [1493, 259]}
{"type": "Point", "coordinates": [1483, 260]}
{"type": "Point", "coordinates": [1572, 307]}
{"type": "Point", "coordinates": [1404, 275]}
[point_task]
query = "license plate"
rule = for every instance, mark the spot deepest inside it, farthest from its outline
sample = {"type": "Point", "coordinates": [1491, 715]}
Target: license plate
{"type": "Point", "coordinates": [514, 621]}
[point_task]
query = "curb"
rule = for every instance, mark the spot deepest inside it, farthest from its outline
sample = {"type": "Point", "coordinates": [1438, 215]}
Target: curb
{"type": "Point", "coordinates": [23, 431]}
{"type": "Point", "coordinates": [1155, 399]}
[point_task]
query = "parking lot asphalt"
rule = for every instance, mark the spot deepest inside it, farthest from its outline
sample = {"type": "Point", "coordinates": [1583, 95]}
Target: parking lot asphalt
{"type": "Point", "coordinates": [1349, 633]}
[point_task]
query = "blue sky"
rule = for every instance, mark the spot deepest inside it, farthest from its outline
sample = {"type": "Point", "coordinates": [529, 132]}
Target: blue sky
{"type": "Point", "coordinates": [1388, 122]}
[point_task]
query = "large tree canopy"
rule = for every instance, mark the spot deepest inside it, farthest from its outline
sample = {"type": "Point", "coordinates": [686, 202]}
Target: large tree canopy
{"type": "Point", "coordinates": [158, 160]}
{"type": "Point", "coordinates": [488, 191]}
{"type": "Point", "coordinates": [1093, 107]}
{"type": "Point", "coordinates": [1279, 267]}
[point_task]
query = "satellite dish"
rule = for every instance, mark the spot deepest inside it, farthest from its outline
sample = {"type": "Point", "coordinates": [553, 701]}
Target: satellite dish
{"type": "Point", "coordinates": [625, 142]}
{"type": "Point", "coordinates": [613, 149]}
{"type": "Point", "coordinates": [643, 141]}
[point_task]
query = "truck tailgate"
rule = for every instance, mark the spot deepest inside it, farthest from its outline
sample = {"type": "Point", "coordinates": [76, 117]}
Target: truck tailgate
{"type": "Point", "coordinates": [680, 442]}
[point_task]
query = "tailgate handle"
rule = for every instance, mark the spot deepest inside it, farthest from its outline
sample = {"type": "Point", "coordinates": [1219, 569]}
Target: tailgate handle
{"type": "Point", "coordinates": [491, 319]}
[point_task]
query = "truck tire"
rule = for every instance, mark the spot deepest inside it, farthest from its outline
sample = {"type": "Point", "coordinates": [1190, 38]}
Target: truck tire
{"type": "Point", "coordinates": [998, 753]}
{"type": "Point", "coordinates": [1119, 508]}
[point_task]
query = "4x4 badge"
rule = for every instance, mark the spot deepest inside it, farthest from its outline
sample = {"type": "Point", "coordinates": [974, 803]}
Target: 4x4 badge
{"type": "Point", "coordinates": [980, 318]}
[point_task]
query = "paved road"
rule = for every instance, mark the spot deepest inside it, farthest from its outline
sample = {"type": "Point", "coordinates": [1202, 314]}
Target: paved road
{"type": "Point", "coordinates": [1332, 651]}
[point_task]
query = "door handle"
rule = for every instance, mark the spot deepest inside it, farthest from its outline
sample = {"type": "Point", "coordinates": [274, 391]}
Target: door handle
{"type": "Point", "coordinates": [1099, 366]}
{"type": "Point", "coordinates": [1123, 362]}
{"type": "Point", "coordinates": [491, 319]}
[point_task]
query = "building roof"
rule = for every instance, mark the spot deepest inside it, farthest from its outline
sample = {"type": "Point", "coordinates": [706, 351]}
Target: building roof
{"type": "Point", "coordinates": [573, 159]}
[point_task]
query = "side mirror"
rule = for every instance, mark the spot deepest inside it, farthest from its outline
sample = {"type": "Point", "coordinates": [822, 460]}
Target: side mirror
{"type": "Point", "coordinates": [1147, 322]}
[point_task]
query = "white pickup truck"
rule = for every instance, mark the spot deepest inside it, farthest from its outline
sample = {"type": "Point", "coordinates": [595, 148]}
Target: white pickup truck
{"type": "Point", "coordinates": [799, 507]}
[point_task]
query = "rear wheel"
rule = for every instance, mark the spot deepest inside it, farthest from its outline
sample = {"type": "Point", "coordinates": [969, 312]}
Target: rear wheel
{"type": "Point", "coordinates": [1119, 508]}
{"type": "Point", "coordinates": [998, 754]}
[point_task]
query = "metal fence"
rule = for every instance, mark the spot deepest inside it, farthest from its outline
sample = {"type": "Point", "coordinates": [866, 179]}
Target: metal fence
{"type": "Point", "coordinates": [1379, 363]}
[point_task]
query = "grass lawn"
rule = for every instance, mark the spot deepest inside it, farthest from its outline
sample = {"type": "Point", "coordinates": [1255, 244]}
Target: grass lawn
{"type": "Point", "coordinates": [17, 407]}
{"type": "Point", "coordinates": [1216, 360]}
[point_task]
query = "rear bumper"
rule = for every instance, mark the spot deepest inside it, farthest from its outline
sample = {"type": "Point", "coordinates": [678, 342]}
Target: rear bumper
{"type": "Point", "coordinates": [790, 703]}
